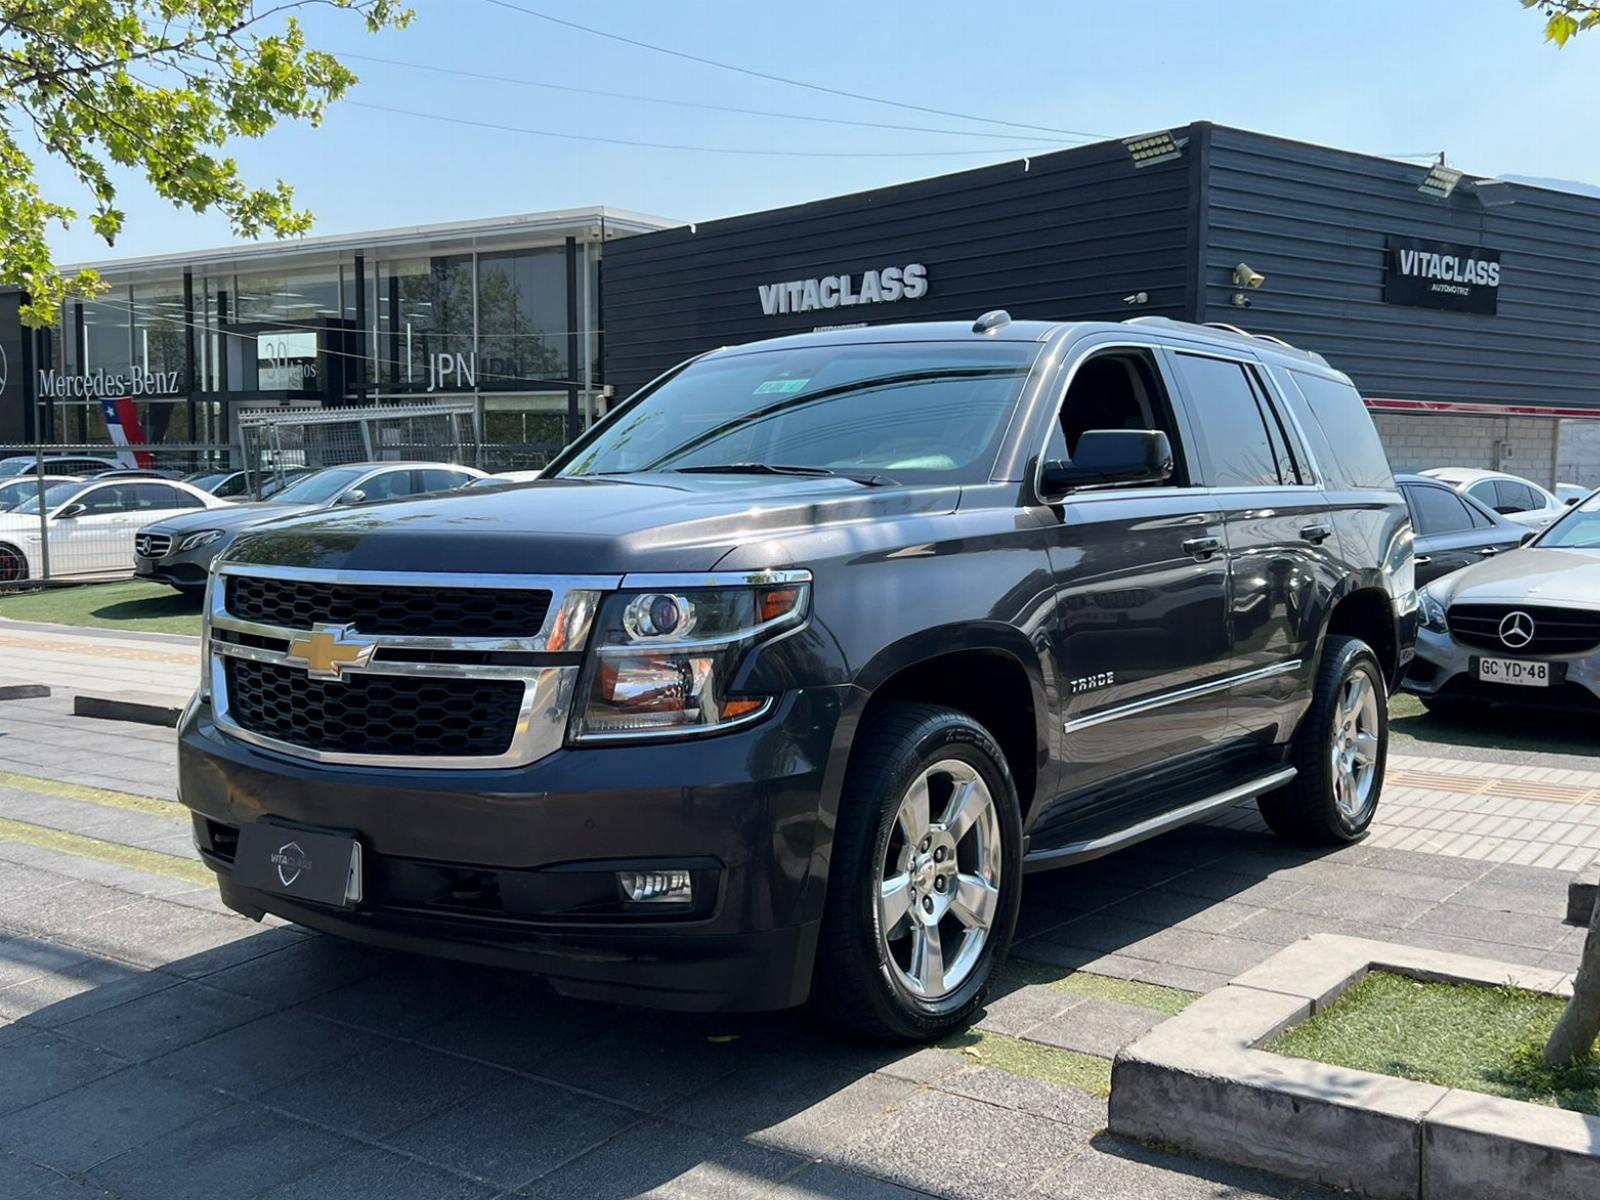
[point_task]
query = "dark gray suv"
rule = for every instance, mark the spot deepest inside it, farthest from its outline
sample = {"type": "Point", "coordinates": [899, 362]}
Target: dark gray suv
{"type": "Point", "coordinates": [780, 680]}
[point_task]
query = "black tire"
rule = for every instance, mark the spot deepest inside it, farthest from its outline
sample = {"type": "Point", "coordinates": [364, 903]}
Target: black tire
{"type": "Point", "coordinates": [13, 564]}
{"type": "Point", "coordinates": [856, 987]}
{"type": "Point", "coordinates": [1307, 809]}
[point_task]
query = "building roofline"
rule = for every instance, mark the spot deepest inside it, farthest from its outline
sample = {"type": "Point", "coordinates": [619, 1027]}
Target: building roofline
{"type": "Point", "coordinates": [585, 223]}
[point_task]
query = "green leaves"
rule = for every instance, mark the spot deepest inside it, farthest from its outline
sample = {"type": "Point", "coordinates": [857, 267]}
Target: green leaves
{"type": "Point", "coordinates": [160, 87]}
{"type": "Point", "coordinates": [1565, 19]}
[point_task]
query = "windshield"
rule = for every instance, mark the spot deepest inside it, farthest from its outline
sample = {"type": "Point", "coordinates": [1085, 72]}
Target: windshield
{"type": "Point", "coordinates": [206, 482]}
{"type": "Point", "coordinates": [319, 486]}
{"type": "Point", "coordinates": [918, 412]}
{"type": "Point", "coordinates": [14, 466]}
{"type": "Point", "coordinates": [14, 491]}
{"type": "Point", "coordinates": [1579, 529]}
{"type": "Point", "coordinates": [56, 493]}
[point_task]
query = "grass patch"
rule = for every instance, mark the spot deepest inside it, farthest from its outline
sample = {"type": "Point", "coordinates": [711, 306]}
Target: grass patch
{"type": "Point", "coordinates": [80, 846]}
{"type": "Point", "coordinates": [1099, 987]}
{"type": "Point", "coordinates": [131, 604]}
{"type": "Point", "coordinates": [1489, 728]}
{"type": "Point", "coordinates": [1046, 1063]}
{"type": "Point", "coordinates": [93, 795]}
{"type": "Point", "coordinates": [1482, 1039]}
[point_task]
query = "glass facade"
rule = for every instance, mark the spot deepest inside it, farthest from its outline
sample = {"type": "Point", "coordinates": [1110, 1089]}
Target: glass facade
{"type": "Point", "coordinates": [492, 324]}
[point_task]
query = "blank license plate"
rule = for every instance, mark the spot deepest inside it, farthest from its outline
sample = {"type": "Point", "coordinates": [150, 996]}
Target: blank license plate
{"type": "Point", "coordinates": [324, 868]}
{"type": "Point", "coordinates": [1514, 671]}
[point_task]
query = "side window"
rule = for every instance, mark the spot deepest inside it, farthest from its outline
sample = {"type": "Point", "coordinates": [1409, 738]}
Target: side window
{"type": "Point", "coordinates": [434, 479]}
{"type": "Point", "coordinates": [159, 495]}
{"type": "Point", "coordinates": [233, 486]}
{"type": "Point", "coordinates": [1117, 389]}
{"type": "Point", "coordinates": [1516, 497]}
{"type": "Point", "coordinates": [113, 498]}
{"type": "Point", "coordinates": [389, 485]}
{"type": "Point", "coordinates": [1484, 493]}
{"type": "Point", "coordinates": [1277, 432]}
{"type": "Point", "coordinates": [1437, 510]}
{"type": "Point", "coordinates": [1234, 443]}
{"type": "Point", "coordinates": [1480, 519]}
{"type": "Point", "coordinates": [1355, 456]}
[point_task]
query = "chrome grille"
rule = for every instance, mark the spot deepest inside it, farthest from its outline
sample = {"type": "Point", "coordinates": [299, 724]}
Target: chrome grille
{"type": "Point", "coordinates": [1555, 630]}
{"type": "Point", "coordinates": [152, 545]}
{"type": "Point", "coordinates": [412, 610]}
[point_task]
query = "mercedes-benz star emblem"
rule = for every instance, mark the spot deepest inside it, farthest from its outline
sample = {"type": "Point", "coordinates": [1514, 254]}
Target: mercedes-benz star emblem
{"type": "Point", "coordinates": [1516, 629]}
{"type": "Point", "coordinates": [290, 860]}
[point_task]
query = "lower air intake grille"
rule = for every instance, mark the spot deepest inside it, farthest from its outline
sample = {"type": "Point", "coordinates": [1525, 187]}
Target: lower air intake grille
{"type": "Point", "coordinates": [375, 714]}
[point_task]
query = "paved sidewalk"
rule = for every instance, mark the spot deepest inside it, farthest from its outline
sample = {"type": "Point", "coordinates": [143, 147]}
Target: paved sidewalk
{"type": "Point", "coordinates": [100, 662]}
{"type": "Point", "coordinates": [158, 1046]}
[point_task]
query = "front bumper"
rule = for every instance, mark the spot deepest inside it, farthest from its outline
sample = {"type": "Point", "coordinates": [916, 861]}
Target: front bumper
{"type": "Point", "coordinates": [180, 569]}
{"type": "Point", "coordinates": [1442, 669]}
{"type": "Point", "coordinates": [751, 811]}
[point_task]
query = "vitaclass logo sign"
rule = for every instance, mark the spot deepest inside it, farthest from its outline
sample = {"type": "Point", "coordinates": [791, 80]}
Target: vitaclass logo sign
{"type": "Point", "coordinates": [884, 285]}
{"type": "Point", "coordinates": [1445, 275]}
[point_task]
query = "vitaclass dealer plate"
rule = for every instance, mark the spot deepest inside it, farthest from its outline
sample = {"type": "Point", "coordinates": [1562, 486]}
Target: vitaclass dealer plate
{"type": "Point", "coordinates": [324, 868]}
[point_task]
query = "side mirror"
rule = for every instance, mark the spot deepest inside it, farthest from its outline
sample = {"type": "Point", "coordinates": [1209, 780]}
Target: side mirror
{"type": "Point", "coordinates": [353, 496]}
{"type": "Point", "coordinates": [1528, 537]}
{"type": "Point", "coordinates": [72, 510]}
{"type": "Point", "coordinates": [1107, 456]}
{"type": "Point", "coordinates": [1571, 500]}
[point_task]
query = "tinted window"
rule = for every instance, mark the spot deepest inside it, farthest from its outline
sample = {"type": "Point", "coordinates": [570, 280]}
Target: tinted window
{"type": "Point", "coordinates": [918, 412]}
{"type": "Point", "coordinates": [319, 485]}
{"type": "Point", "coordinates": [1437, 510]}
{"type": "Point", "coordinates": [1484, 492]}
{"type": "Point", "coordinates": [389, 485]}
{"type": "Point", "coordinates": [1355, 456]}
{"type": "Point", "coordinates": [1116, 390]}
{"type": "Point", "coordinates": [437, 480]}
{"type": "Point", "coordinates": [113, 498]}
{"type": "Point", "coordinates": [1234, 443]}
{"type": "Point", "coordinates": [159, 495]}
{"type": "Point", "coordinates": [1516, 497]}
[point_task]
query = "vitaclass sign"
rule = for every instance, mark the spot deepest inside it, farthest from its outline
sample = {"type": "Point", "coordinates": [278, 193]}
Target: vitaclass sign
{"type": "Point", "coordinates": [885, 285]}
{"type": "Point", "coordinates": [109, 385]}
{"type": "Point", "coordinates": [1442, 275]}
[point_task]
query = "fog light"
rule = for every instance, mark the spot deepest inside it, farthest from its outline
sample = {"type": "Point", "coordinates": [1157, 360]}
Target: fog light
{"type": "Point", "coordinates": [656, 887]}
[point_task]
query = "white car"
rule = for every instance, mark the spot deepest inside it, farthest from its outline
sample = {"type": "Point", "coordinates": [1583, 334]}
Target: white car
{"type": "Point", "coordinates": [1571, 493]}
{"type": "Point", "coordinates": [19, 491]}
{"type": "Point", "coordinates": [90, 526]}
{"type": "Point", "coordinates": [1513, 497]}
{"type": "Point", "coordinates": [505, 478]}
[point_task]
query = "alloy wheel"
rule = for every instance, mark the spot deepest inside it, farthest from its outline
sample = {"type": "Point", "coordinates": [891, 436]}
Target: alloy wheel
{"type": "Point", "coordinates": [12, 566]}
{"type": "Point", "coordinates": [939, 882]}
{"type": "Point", "coordinates": [1355, 747]}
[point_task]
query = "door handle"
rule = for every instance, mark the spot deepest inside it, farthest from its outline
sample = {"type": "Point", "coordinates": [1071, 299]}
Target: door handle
{"type": "Point", "coordinates": [1423, 560]}
{"type": "Point", "coordinates": [1202, 547]}
{"type": "Point", "coordinates": [1317, 534]}
{"type": "Point", "coordinates": [1489, 551]}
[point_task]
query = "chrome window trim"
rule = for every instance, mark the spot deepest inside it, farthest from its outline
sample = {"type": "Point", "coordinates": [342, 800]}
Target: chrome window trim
{"type": "Point", "coordinates": [1151, 703]}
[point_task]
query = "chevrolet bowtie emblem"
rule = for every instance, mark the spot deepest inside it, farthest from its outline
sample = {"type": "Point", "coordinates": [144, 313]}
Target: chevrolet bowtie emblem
{"type": "Point", "coordinates": [327, 650]}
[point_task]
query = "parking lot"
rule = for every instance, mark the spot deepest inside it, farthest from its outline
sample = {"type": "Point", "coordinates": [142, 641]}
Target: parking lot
{"type": "Point", "coordinates": [159, 1046]}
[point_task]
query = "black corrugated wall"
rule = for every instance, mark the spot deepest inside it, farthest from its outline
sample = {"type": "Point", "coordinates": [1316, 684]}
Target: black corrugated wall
{"type": "Point", "coordinates": [1314, 220]}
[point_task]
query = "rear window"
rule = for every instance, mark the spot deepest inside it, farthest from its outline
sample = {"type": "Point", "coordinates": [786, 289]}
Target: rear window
{"type": "Point", "coordinates": [1351, 454]}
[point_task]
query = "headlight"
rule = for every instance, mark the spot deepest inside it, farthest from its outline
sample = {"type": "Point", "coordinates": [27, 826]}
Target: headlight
{"type": "Point", "coordinates": [1433, 618]}
{"type": "Point", "coordinates": [195, 540]}
{"type": "Point", "coordinates": [662, 660]}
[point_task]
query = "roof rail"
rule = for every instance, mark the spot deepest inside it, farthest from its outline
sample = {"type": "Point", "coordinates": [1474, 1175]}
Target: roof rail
{"type": "Point", "coordinates": [1227, 328]}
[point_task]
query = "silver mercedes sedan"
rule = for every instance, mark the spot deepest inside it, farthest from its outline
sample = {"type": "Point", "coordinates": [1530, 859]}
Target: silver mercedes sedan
{"type": "Point", "coordinates": [1522, 628]}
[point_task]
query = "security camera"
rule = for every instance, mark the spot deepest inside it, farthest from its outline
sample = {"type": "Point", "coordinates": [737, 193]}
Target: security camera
{"type": "Point", "coordinates": [1246, 276]}
{"type": "Point", "coordinates": [1137, 298]}
{"type": "Point", "coordinates": [1240, 300]}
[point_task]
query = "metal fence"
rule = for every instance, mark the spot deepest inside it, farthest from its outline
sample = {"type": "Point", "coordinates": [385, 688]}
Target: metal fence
{"type": "Point", "coordinates": [278, 442]}
{"type": "Point", "coordinates": [55, 527]}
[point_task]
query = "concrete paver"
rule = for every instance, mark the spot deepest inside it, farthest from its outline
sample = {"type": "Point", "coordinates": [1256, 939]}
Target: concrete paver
{"type": "Point", "coordinates": [167, 1048]}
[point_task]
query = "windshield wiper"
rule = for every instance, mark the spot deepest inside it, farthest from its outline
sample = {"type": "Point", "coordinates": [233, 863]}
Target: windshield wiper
{"type": "Point", "coordinates": [866, 479]}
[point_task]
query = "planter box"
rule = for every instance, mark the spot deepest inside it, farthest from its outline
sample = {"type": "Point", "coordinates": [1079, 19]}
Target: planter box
{"type": "Point", "coordinates": [1198, 1081]}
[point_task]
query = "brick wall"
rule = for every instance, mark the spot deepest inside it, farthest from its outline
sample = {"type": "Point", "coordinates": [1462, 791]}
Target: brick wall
{"type": "Point", "coordinates": [1580, 453]}
{"type": "Point", "coordinates": [1521, 445]}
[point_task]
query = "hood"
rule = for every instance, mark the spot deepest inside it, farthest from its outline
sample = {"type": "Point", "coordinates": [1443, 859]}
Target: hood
{"type": "Point", "coordinates": [1531, 575]}
{"type": "Point", "coordinates": [593, 526]}
{"type": "Point", "coordinates": [231, 517]}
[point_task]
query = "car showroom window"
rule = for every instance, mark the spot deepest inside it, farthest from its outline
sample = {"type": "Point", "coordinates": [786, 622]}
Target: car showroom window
{"type": "Point", "coordinates": [1438, 510]}
{"type": "Point", "coordinates": [1234, 443]}
{"type": "Point", "coordinates": [1337, 408]}
{"type": "Point", "coordinates": [1117, 389]}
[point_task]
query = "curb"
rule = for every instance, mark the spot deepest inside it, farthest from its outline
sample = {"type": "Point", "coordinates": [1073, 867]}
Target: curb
{"type": "Point", "coordinates": [24, 691]}
{"type": "Point", "coordinates": [128, 706]}
{"type": "Point", "coordinates": [100, 632]}
{"type": "Point", "coordinates": [1582, 893]}
{"type": "Point", "coordinates": [1199, 1082]}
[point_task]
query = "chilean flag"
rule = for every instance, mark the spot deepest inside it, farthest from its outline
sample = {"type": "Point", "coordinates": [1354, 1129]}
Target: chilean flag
{"type": "Point", "coordinates": [122, 422]}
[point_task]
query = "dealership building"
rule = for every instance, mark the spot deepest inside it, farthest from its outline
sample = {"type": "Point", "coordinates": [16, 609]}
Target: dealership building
{"type": "Point", "coordinates": [1466, 309]}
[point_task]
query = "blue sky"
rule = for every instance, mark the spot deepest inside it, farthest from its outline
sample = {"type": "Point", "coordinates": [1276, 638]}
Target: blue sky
{"type": "Point", "coordinates": [1471, 77]}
